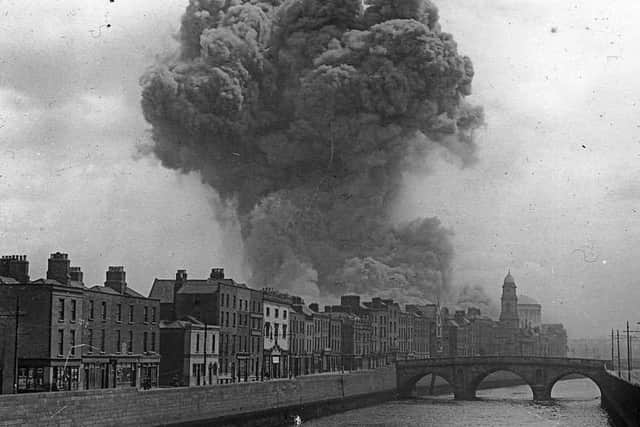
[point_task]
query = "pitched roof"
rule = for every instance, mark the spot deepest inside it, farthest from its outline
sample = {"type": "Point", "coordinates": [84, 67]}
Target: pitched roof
{"type": "Point", "coordinates": [133, 293]}
{"type": "Point", "coordinates": [162, 289]}
{"type": "Point", "coordinates": [103, 289]}
{"type": "Point", "coordinates": [198, 287]}
{"type": "Point", "coordinates": [52, 282]}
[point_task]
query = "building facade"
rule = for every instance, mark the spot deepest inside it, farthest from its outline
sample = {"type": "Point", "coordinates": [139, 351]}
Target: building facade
{"type": "Point", "coordinates": [121, 335]}
{"type": "Point", "coordinates": [300, 337]}
{"type": "Point", "coordinates": [276, 312]}
{"type": "Point", "coordinates": [69, 336]}
{"type": "Point", "coordinates": [189, 350]}
{"type": "Point", "coordinates": [235, 308]}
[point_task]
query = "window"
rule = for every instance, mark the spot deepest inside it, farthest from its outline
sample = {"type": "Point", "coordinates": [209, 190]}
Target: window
{"type": "Point", "coordinates": [276, 327]}
{"type": "Point", "coordinates": [227, 296]}
{"type": "Point", "coordinates": [234, 301]}
{"type": "Point", "coordinates": [276, 313]}
{"type": "Point", "coordinates": [90, 339]}
{"type": "Point", "coordinates": [144, 341]}
{"type": "Point", "coordinates": [118, 342]}
{"type": "Point", "coordinates": [61, 342]}
{"type": "Point", "coordinates": [197, 343]}
{"type": "Point", "coordinates": [102, 343]}
{"type": "Point", "coordinates": [130, 314]}
{"type": "Point", "coordinates": [146, 314]}
{"type": "Point", "coordinates": [61, 310]}
{"type": "Point", "coordinates": [153, 315]}
{"type": "Point", "coordinates": [284, 331]}
{"type": "Point", "coordinates": [226, 318]}
{"type": "Point", "coordinates": [119, 312]}
{"type": "Point", "coordinates": [266, 329]}
{"type": "Point", "coordinates": [130, 346]}
{"type": "Point", "coordinates": [153, 341]}
{"type": "Point", "coordinates": [213, 343]}
{"type": "Point", "coordinates": [72, 342]}
{"type": "Point", "coordinates": [104, 310]}
{"type": "Point", "coordinates": [73, 310]}
{"type": "Point", "coordinates": [221, 300]}
{"type": "Point", "coordinates": [90, 309]}
{"type": "Point", "coordinates": [234, 320]}
{"type": "Point", "coordinates": [268, 311]}
{"type": "Point", "coordinates": [284, 314]}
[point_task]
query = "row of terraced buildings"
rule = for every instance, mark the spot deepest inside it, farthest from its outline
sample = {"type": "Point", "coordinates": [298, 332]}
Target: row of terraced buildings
{"type": "Point", "coordinates": [56, 333]}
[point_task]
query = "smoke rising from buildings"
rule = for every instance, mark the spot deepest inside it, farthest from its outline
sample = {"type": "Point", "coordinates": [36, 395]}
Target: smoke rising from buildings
{"type": "Point", "coordinates": [303, 115]}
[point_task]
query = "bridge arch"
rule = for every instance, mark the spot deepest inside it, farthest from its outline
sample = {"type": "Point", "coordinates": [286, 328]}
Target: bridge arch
{"type": "Point", "coordinates": [479, 374]}
{"type": "Point", "coordinates": [434, 376]}
{"type": "Point", "coordinates": [558, 377]}
{"type": "Point", "coordinates": [407, 384]}
{"type": "Point", "coordinates": [476, 380]}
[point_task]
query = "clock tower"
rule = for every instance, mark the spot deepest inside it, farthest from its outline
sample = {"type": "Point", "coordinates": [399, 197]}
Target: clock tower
{"type": "Point", "coordinates": [509, 308]}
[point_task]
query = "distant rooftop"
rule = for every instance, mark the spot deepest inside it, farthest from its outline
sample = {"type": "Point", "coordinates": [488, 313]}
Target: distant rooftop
{"type": "Point", "coordinates": [525, 300]}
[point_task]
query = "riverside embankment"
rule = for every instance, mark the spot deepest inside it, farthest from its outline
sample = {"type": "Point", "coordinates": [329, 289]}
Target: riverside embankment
{"type": "Point", "coordinates": [621, 400]}
{"type": "Point", "coordinates": [252, 404]}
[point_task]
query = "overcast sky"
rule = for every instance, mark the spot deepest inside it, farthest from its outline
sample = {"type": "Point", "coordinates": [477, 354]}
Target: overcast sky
{"type": "Point", "coordinates": [554, 195]}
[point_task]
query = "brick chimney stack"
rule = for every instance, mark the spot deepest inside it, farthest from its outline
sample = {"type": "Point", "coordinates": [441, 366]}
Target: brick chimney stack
{"type": "Point", "coordinates": [217, 273]}
{"type": "Point", "coordinates": [16, 267]}
{"type": "Point", "coordinates": [116, 279]}
{"type": "Point", "coordinates": [75, 274]}
{"type": "Point", "coordinates": [59, 268]}
{"type": "Point", "coordinates": [181, 280]}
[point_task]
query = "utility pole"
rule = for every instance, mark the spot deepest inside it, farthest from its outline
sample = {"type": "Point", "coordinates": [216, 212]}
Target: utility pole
{"type": "Point", "coordinates": [16, 317]}
{"type": "Point", "coordinates": [613, 364]}
{"type": "Point", "coordinates": [618, 341]}
{"type": "Point", "coordinates": [15, 347]}
{"type": "Point", "coordinates": [628, 354]}
{"type": "Point", "coordinates": [205, 353]}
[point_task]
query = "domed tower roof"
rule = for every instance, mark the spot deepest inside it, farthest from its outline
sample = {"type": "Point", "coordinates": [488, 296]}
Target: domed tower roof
{"type": "Point", "coordinates": [509, 279]}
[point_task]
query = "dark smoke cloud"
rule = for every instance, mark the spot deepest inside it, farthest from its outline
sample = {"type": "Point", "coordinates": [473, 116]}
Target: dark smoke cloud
{"type": "Point", "coordinates": [475, 296]}
{"type": "Point", "coordinates": [303, 115]}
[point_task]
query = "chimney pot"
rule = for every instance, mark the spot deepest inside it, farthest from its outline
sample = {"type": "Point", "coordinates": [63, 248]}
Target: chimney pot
{"type": "Point", "coordinates": [15, 266]}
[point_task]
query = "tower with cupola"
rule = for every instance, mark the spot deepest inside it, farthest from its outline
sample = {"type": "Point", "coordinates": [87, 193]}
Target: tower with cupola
{"type": "Point", "coordinates": [509, 306]}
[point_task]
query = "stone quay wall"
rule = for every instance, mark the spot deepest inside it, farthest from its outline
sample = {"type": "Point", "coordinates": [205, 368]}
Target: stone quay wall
{"type": "Point", "coordinates": [257, 403]}
{"type": "Point", "coordinates": [621, 400]}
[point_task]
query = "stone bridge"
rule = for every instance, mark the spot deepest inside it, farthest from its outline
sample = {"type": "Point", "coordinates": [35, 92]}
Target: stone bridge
{"type": "Point", "coordinates": [464, 374]}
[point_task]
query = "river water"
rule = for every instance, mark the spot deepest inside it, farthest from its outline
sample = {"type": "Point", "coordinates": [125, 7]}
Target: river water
{"type": "Point", "coordinates": [576, 404]}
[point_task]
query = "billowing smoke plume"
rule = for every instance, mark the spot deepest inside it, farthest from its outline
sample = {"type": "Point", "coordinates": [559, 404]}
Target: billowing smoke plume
{"type": "Point", "coordinates": [475, 296]}
{"type": "Point", "coordinates": [303, 115]}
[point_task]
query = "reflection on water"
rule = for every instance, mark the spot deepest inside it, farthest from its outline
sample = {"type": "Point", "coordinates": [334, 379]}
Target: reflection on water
{"type": "Point", "coordinates": [576, 404]}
